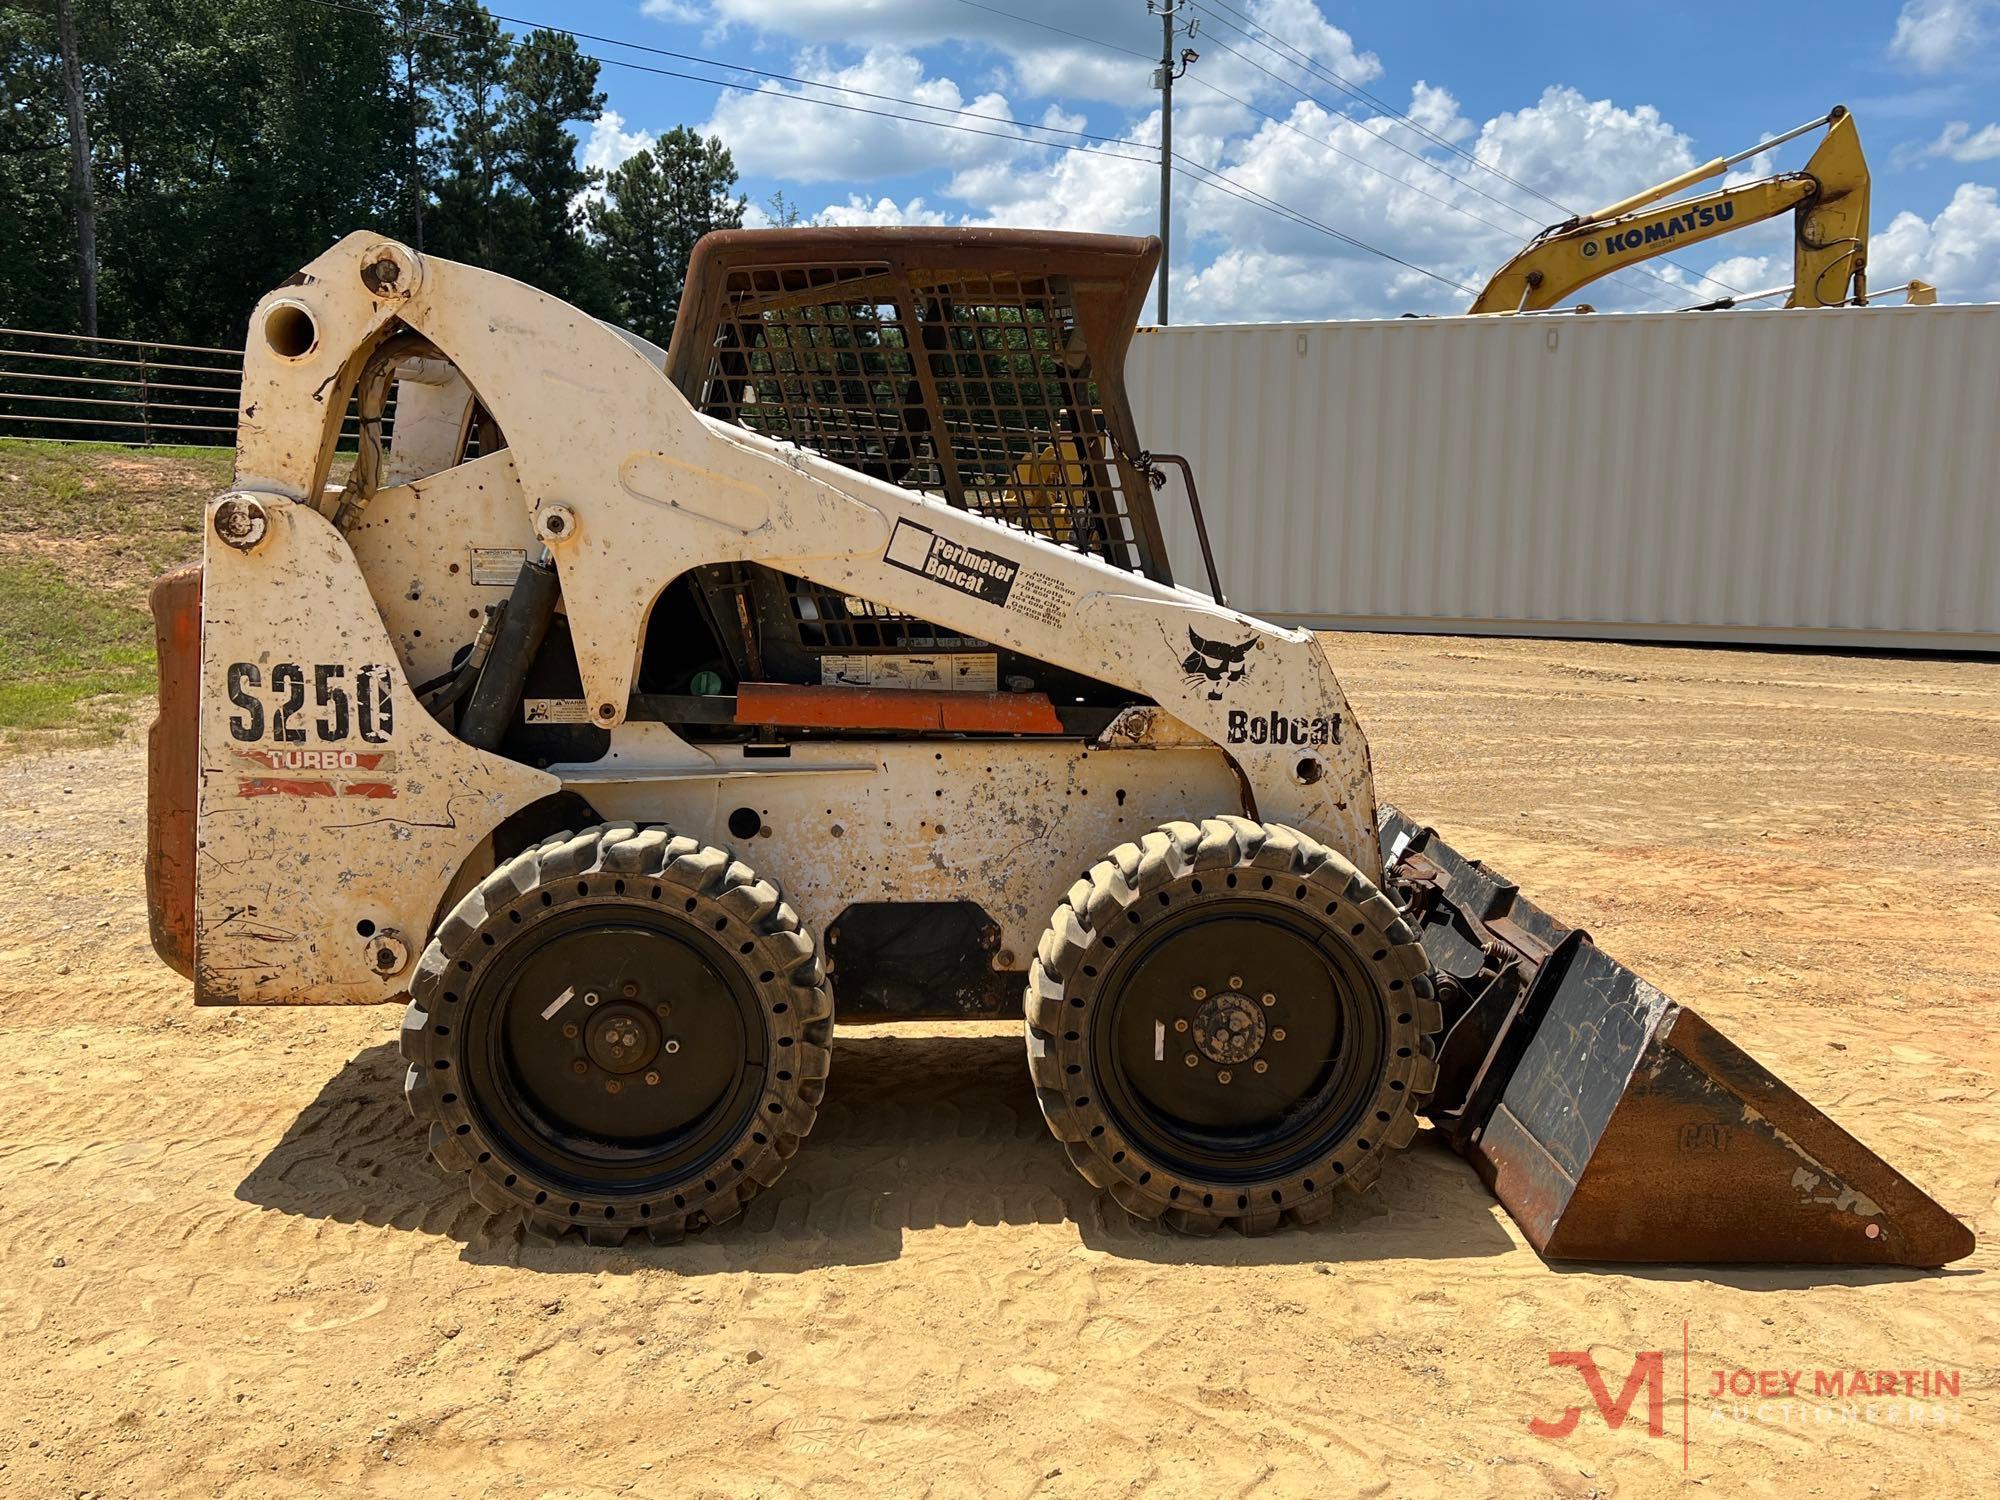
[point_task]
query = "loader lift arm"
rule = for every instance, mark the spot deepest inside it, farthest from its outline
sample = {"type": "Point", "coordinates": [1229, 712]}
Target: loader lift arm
{"type": "Point", "coordinates": [1829, 201]}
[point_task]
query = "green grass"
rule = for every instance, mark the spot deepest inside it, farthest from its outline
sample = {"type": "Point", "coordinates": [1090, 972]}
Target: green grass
{"type": "Point", "coordinates": [84, 528]}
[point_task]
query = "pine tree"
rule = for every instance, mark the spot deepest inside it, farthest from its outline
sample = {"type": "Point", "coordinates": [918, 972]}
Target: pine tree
{"type": "Point", "coordinates": [539, 237]}
{"type": "Point", "coordinates": [656, 205]}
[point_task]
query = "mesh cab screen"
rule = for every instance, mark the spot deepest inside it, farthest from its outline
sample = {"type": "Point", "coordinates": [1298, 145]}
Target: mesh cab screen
{"type": "Point", "coordinates": [983, 368]}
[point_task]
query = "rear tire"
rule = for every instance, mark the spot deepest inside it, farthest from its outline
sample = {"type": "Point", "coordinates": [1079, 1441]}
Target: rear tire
{"type": "Point", "coordinates": [618, 1030]}
{"type": "Point", "coordinates": [1228, 1024]}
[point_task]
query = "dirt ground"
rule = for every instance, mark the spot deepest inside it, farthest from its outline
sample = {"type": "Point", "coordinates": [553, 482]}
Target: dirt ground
{"type": "Point", "coordinates": [227, 1267]}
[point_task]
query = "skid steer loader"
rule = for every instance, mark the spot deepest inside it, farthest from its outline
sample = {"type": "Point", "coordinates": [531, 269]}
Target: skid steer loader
{"type": "Point", "coordinates": [630, 712]}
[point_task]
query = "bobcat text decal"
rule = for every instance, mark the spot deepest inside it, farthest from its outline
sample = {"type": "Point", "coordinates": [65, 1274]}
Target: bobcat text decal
{"type": "Point", "coordinates": [1247, 727]}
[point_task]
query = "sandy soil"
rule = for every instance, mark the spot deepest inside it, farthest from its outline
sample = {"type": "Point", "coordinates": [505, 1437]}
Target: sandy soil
{"type": "Point", "coordinates": [227, 1267]}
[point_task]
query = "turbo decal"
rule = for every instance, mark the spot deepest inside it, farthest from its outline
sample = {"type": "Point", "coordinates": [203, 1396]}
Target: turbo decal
{"type": "Point", "coordinates": [320, 760]}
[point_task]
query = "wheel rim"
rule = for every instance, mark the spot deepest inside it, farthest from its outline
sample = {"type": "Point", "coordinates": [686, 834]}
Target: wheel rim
{"type": "Point", "coordinates": [635, 1093]}
{"type": "Point", "coordinates": [1232, 982]}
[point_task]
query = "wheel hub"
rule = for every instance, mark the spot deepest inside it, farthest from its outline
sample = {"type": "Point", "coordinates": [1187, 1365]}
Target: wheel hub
{"type": "Point", "coordinates": [622, 1038]}
{"type": "Point", "coordinates": [1229, 1028]}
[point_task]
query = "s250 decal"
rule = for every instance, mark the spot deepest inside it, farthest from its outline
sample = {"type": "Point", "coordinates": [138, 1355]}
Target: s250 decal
{"type": "Point", "coordinates": [277, 710]}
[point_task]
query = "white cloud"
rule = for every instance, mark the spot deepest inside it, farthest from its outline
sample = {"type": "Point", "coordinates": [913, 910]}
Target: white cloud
{"type": "Point", "coordinates": [1236, 261]}
{"type": "Point", "coordinates": [610, 144]}
{"type": "Point", "coordinates": [770, 132]}
{"type": "Point", "coordinates": [1751, 273]}
{"type": "Point", "coordinates": [1584, 152]}
{"type": "Point", "coordinates": [857, 210]}
{"type": "Point", "coordinates": [685, 12]}
{"type": "Point", "coordinates": [1961, 143]}
{"type": "Point", "coordinates": [1958, 251]}
{"type": "Point", "coordinates": [1371, 174]}
{"type": "Point", "coordinates": [1934, 35]}
{"type": "Point", "coordinates": [1101, 52]}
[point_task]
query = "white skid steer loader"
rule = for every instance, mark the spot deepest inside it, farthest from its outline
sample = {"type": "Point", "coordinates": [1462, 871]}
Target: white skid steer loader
{"type": "Point", "coordinates": [630, 712]}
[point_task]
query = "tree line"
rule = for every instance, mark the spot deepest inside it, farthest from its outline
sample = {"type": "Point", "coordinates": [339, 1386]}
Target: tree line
{"type": "Point", "coordinates": [163, 163]}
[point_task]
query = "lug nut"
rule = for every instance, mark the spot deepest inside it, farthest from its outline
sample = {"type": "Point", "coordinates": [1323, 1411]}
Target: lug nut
{"type": "Point", "coordinates": [613, 1086]}
{"type": "Point", "coordinates": [1192, 1059]}
{"type": "Point", "coordinates": [663, 1010]}
{"type": "Point", "coordinates": [591, 998]}
{"type": "Point", "coordinates": [569, 1029]}
{"type": "Point", "coordinates": [579, 1066]}
{"type": "Point", "coordinates": [1180, 1025]}
{"type": "Point", "coordinates": [631, 990]}
{"type": "Point", "coordinates": [1268, 999]}
{"type": "Point", "coordinates": [1200, 993]}
{"type": "Point", "coordinates": [1236, 981]}
{"type": "Point", "coordinates": [652, 1078]}
{"type": "Point", "coordinates": [673, 1045]}
{"type": "Point", "coordinates": [1223, 1076]}
{"type": "Point", "coordinates": [1277, 1033]}
{"type": "Point", "coordinates": [1262, 1066]}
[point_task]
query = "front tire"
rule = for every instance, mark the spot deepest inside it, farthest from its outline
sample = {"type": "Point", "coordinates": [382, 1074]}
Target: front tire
{"type": "Point", "coordinates": [1228, 1024]}
{"type": "Point", "coordinates": [618, 1030]}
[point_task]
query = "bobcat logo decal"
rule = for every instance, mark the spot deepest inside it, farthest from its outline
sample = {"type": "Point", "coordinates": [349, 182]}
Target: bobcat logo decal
{"type": "Point", "coordinates": [1216, 664]}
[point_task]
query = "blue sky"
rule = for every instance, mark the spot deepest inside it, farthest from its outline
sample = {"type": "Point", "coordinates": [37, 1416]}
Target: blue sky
{"type": "Point", "coordinates": [1594, 104]}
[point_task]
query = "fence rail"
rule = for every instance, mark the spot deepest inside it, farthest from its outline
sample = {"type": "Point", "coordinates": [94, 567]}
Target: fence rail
{"type": "Point", "coordinates": [72, 387]}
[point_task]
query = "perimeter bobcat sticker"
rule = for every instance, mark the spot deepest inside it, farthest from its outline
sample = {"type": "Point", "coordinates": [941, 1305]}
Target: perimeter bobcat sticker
{"type": "Point", "coordinates": [984, 575]}
{"type": "Point", "coordinates": [1215, 663]}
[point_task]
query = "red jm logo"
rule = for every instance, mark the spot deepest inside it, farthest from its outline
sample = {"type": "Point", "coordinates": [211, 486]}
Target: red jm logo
{"type": "Point", "coordinates": [1648, 1372]}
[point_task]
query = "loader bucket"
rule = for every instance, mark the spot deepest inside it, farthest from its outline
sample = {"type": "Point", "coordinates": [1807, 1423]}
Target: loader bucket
{"type": "Point", "coordinates": [1617, 1125]}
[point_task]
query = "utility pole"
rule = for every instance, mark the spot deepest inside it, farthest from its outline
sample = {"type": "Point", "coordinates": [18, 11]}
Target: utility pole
{"type": "Point", "coordinates": [81, 187]}
{"type": "Point", "coordinates": [1163, 79]}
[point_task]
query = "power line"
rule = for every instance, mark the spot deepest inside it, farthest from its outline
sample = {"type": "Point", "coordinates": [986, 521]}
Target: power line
{"type": "Point", "coordinates": [838, 88]}
{"type": "Point", "coordinates": [1247, 194]}
{"type": "Point", "coordinates": [1394, 145]}
{"type": "Point", "coordinates": [1223, 183]}
{"type": "Point", "coordinates": [841, 88]}
{"type": "Point", "coordinates": [724, 83]}
{"type": "Point", "coordinates": [1076, 36]}
{"type": "Point", "coordinates": [1423, 160]}
{"type": "Point", "coordinates": [1303, 59]}
{"type": "Point", "coordinates": [1360, 161]}
{"type": "Point", "coordinates": [1327, 144]}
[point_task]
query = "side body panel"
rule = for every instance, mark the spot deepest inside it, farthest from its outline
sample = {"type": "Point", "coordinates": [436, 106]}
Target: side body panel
{"type": "Point", "coordinates": [334, 811]}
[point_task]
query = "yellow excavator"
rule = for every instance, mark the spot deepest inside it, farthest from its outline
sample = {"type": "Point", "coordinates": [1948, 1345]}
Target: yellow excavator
{"type": "Point", "coordinates": [1829, 200]}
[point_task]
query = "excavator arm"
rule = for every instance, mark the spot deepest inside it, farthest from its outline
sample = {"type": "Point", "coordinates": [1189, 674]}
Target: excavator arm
{"type": "Point", "coordinates": [1829, 200]}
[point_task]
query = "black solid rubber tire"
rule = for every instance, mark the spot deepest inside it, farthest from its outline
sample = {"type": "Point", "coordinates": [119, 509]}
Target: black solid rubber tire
{"type": "Point", "coordinates": [632, 861]}
{"type": "Point", "coordinates": [1061, 996]}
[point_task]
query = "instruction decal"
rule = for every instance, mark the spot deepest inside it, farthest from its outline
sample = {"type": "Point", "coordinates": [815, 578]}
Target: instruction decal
{"type": "Point", "coordinates": [950, 671]}
{"type": "Point", "coordinates": [1044, 597]}
{"type": "Point", "coordinates": [984, 575]}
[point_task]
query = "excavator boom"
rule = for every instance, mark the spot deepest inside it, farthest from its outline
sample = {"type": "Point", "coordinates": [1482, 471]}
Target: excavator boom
{"type": "Point", "coordinates": [1829, 244]}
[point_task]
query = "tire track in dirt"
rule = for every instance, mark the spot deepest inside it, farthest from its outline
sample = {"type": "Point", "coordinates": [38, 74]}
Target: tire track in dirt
{"type": "Point", "coordinates": [267, 1288]}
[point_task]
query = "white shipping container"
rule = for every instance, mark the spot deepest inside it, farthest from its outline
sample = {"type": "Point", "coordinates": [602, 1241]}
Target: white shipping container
{"type": "Point", "coordinates": [1798, 477]}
